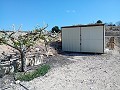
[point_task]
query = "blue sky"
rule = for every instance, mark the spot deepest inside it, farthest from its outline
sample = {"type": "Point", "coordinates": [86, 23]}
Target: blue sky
{"type": "Point", "coordinates": [29, 13]}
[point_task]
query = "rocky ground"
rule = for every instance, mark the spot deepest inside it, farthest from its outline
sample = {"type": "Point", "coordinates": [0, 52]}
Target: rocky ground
{"type": "Point", "coordinates": [74, 71]}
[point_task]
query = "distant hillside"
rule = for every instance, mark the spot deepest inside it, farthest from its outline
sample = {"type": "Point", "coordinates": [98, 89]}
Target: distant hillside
{"type": "Point", "coordinates": [112, 31]}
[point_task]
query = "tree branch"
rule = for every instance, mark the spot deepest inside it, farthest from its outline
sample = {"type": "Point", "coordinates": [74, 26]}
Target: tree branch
{"type": "Point", "coordinates": [11, 46]}
{"type": "Point", "coordinates": [11, 34]}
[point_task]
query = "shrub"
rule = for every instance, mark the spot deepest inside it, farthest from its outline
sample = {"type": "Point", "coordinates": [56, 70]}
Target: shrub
{"type": "Point", "coordinates": [41, 71]}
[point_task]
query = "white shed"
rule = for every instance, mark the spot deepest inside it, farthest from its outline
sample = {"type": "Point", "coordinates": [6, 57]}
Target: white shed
{"type": "Point", "coordinates": [84, 38]}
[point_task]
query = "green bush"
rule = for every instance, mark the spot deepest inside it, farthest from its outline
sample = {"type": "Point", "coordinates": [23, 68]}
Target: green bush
{"type": "Point", "coordinates": [41, 71]}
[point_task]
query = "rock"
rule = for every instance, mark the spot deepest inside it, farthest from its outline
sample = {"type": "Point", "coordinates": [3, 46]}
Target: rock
{"type": "Point", "coordinates": [34, 60]}
{"type": "Point", "coordinates": [30, 61]}
{"type": "Point", "coordinates": [37, 49]}
{"type": "Point", "coordinates": [2, 72]}
{"type": "Point", "coordinates": [51, 52]}
{"type": "Point", "coordinates": [17, 82]}
{"type": "Point", "coordinates": [12, 69]}
{"type": "Point", "coordinates": [38, 60]}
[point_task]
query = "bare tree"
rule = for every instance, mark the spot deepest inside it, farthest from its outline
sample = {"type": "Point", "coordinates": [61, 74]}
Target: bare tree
{"type": "Point", "coordinates": [22, 42]}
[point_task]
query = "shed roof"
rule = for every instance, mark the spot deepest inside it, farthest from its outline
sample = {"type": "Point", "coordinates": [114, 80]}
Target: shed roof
{"type": "Point", "coordinates": [89, 25]}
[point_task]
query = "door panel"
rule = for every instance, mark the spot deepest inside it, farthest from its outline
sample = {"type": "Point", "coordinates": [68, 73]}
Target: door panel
{"type": "Point", "coordinates": [71, 39]}
{"type": "Point", "coordinates": [92, 39]}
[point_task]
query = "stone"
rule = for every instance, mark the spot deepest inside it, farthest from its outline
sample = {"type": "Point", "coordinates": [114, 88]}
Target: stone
{"type": "Point", "coordinates": [51, 52]}
{"type": "Point", "coordinates": [38, 59]}
{"type": "Point", "coordinates": [17, 82]}
{"type": "Point", "coordinates": [30, 61]}
{"type": "Point", "coordinates": [2, 72]}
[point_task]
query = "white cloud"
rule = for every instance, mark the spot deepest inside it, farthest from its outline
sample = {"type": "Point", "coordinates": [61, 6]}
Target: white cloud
{"type": "Point", "coordinates": [70, 11]}
{"type": "Point", "coordinates": [73, 11]}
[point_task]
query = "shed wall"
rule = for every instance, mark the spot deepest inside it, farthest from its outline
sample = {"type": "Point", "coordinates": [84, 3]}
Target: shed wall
{"type": "Point", "coordinates": [83, 39]}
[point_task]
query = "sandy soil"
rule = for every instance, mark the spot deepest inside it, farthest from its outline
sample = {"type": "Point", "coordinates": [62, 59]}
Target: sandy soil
{"type": "Point", "coordinates": [78, 72]}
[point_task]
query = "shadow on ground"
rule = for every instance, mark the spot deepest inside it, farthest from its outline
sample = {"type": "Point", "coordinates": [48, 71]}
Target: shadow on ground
{"type": "Point", "coordinates": [61, 58]}
{"type": "Point", "coordinates": [58, 47]}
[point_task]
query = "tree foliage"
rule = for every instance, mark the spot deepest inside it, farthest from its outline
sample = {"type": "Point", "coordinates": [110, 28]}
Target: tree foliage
{"type": "Point", "coordinates": [110, 24]}
{"type": "Point", "coordinates": [55, 29]}
{"type": "Point", "coordinates": [22, 42]}
{"type": "Point", "coordinates": [99, 22]}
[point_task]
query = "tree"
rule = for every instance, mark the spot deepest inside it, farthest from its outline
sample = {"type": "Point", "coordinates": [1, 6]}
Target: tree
{"type": "Point", "coordinates": [21, 42]}
{"type": "Point", "coordinates": [55, 29]}
{"type": "Point", "coordinates": [99, 22]}
{"type": "Point", "coordinates": [111, 24]}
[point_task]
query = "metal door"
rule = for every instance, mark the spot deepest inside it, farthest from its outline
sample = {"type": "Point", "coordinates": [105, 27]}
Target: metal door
{"type": "Point", "coordinates": [71, 39]}
{"type": "Point", "coordinates": [92, 39]}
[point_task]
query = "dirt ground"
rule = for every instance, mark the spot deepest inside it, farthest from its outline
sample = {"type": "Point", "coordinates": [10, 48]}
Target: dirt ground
{"type": "Point", "coordinates": [75, 71]}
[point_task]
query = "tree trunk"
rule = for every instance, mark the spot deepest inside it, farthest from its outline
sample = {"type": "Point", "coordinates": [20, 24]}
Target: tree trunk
{"type": "Point", "coordinates": [23, 65]}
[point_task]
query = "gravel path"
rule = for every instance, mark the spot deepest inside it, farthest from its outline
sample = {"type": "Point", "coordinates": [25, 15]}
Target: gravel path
{"type": "Point", "coordinates": [81, 72]}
